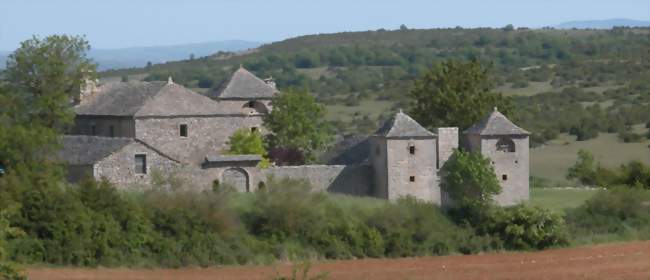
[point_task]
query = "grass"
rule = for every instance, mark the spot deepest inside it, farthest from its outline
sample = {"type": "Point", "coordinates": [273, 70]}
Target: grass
{"type": "Point", "coordinates": [559, 199]}
{"type": "Point", "coordinates": [373, 108]}
{"type": "Point", "coordinates": [552, 160]}
{"type": "Point", "coordinates": [532, 89]}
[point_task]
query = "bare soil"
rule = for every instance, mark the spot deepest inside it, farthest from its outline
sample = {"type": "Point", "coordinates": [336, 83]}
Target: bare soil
{"type": "Point", "coordinates": [612, 261]}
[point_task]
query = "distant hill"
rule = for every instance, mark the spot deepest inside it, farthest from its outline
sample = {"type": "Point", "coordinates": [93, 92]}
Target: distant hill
{"type": "Point", "coordinates": [139, 56]}
{"type": "Point", "coordinates": [604, 24]}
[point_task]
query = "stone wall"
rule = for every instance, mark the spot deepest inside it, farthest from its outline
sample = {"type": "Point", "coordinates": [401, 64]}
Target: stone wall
{"type": "Point", "coordinates": [511, 169]}
{"type": "Point", "coordinates": [379, 160]}
{"type": "Point", "coordinates": [346, 179]}
{"type": "Point", "coordinates": [119, 167]}
{"type": "Point", "coordinates": [412, 174]}
{"type": "Point", "coordinates": [121, 126]}
{"type": "Point", "coordinates": [206, 134]}
{"type": "Point", "coordinates": [447, 143]}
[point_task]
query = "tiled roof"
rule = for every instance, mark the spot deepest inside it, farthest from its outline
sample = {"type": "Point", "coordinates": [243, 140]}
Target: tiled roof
{"type": "Point", "coordinates": [403, 126]}
{"type": "Point", "coordinates": [496, 124]}
{"type": "Point", "coordinates": [244, 85]}
{"type": "Point", "coordinates": [232, 158]}
{"type": "Point", "coordinates": [84, 150]}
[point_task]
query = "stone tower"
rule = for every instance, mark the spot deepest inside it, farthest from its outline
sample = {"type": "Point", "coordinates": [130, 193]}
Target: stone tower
{"type": "Point", "coordinates": [506, 145]}
{"type": "Point", "coordinates": [403, 155]}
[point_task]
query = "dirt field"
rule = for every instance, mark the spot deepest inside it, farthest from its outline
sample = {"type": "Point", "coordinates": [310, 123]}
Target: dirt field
{"type": "Point", "coordinates": [613, 261]}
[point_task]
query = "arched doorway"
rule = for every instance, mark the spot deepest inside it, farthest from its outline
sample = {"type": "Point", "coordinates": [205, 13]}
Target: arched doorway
{"type": "Point", "coordinates": [236, 178]}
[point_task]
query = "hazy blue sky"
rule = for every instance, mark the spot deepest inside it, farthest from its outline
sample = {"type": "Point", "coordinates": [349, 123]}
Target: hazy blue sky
{"type": "Point", "coordinates": [124, 23]}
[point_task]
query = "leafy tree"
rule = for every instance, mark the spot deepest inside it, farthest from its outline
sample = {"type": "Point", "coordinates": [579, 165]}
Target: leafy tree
{"type": "Point", "coordinates": [584, 170]}
{"type": "Point", "coordinates": [246, 142]}
{"type": "Point", "coordinates": [7, 270]}
{"type": "Point", "coordinates": [469, 179]}
{"type": "Point", "coordinates": [298, 122]}
{"type": "Point", "coordinates": [455, 94]}
{"type": "Point", "coordinates": [50, 72]}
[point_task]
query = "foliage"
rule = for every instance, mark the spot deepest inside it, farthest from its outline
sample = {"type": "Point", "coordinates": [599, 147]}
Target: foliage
{"type": "Point", "coordinates": [7, 270]}
{"type": "Point", "coordinates": [304, 273]}
{"type": "Point", "coordinates": [246, 142]}
{"type": "Point", "coordinates": [469, 179]}
{"type": "Point", "coordinates": [50, 73]}
{"type": "Point", "coordinates": [621, 212]}
{"type": "Point", "coordinates": [589, 173]}
{"type": "Point", "coordinates": [297, 122]}
{"type": "Point", "coordinates": [455, 94]}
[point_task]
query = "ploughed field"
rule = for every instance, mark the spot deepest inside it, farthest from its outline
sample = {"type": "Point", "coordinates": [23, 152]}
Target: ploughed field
{"type": "Point", "coordinates": [610, 261]}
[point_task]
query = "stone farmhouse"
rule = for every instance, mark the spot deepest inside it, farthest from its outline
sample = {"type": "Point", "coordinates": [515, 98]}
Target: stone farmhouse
{"type": "Point", "coordinates": [127, 131]}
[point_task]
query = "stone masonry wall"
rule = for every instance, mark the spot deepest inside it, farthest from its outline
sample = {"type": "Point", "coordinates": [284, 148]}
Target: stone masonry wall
{"type": "Point", "coordinates": [119, 168]}
{"type": "Point", "coordinates": [514, 166]}
{"type": "Point", "coordinates": [447, 143]}
{"type": "Point", "coordinates": [205, 134]}
{"type": "Point", "coordinates": [122, 127]}
{"type": "Point", "coordinates": [346, 179]}
{"type": "Point", "coordinates": [402, 165]}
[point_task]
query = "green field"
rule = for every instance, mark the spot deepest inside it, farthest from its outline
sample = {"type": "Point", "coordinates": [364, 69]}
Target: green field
{"type": "Point", "coordinates": [552, 160]}
{"type": "Point", "coordinates": [559, 199]}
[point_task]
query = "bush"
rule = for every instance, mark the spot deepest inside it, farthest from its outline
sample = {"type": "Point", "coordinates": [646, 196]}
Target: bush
{"type": "Point", "coordinates": [621, 212]}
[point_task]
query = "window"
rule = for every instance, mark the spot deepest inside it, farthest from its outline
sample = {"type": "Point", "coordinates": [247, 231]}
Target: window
{"type": "Point", "coordinates": [250, 104]}
{"type": "Point", "coordinates": [111, 131]}
{"type": "Point", "coordinates": [412, 150]}
{"type": "Point", "coordinates": [504, 177]}
{"type": "Point", "coordinates": [506, 145]}
{"type": "Point", "coordinates": [253, 129]}
{"type": "Point", "coordinates": [140, 164]}
{"type": "Point", "coordinates": [93, 130]}
{"type": "Point", "coordinates": [412, 178]}
{"type": "Point", "coordinates": [183, 130]}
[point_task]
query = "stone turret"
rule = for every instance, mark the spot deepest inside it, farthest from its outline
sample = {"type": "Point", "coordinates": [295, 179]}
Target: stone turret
{"type": "Point", "coordinates": [507, 147]}
{"type": "Point", "coordinates": [404, 158]}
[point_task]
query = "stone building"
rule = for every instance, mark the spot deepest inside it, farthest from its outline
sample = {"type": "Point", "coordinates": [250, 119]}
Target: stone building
{"type": "Point", "coordinates": [125, 131]}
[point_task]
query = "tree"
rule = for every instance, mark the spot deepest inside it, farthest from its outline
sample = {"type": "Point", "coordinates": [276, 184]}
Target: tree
{"type": "Point", "coordinates": [455, 94]}
{"type": "Point", "coordinates": [298, 122]}
{"type": "Point", "coordinates": [584, 170]}
{"type": "Point", "coordinates": [469, 179]}
{"type": "Point", "coordinates": [7, 270]}
{"type": "Point", "coordinates": [246, 142]}
{"type": "Point", "coordinates": [51, 72]}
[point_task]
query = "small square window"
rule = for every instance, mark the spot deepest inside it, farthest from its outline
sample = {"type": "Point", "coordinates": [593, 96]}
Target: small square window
{"type": "Point", "coordinates": [140, 164]}
{"type": "Point", "coordinates": [412, 178]}
{"type": "Point", "coordinates": [412, 150]}
{"type": "Point", "coordinates": [504, 177]}
{"type": "Point", "coordinates": [183, 130]}
{"type": "Point", "coordinates": [111, 131]}
{"type": "Point", "coordinates": [253, 129]}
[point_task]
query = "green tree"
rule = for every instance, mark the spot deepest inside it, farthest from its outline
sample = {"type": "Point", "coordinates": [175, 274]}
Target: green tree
{"type": "Point", "coordinates": [455, 94]}
{"type": "Point", "coordinates": [298, 122]}
{"type": "Point", "coordinates": [246, 142]}
{"type": "Point", "coordinates": [584, 170]}
{"type": "Point", "coordinates": [7, 270]}
{"type": "Point", "coordinates": [469, 179]}
{"type": "Point", "coordinates": [51, 72]}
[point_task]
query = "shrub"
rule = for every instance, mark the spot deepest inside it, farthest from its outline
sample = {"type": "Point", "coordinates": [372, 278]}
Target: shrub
{"type": "Point", "coordinates": [620, 211]}
{"type": "Point", "coordinates": [469, 179]}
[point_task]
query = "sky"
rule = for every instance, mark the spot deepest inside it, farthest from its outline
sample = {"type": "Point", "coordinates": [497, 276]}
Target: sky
{"type": "Point", "coordinates": [128, 23]}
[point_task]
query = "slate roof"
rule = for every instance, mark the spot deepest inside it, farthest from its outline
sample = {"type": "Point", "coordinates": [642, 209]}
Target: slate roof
{"type": "Point", "coordinates": [136, 99]}
{"type": "Point", "coordinates": [84, 150]}
{"type": "Point", "coordinates": [232, 158]}
{"type": "Point", "coordinates": [403, 126]}
{"type": "Point", "coordinates": [496, 124]}
{"type": "Point", "coordinates": [244, 85]}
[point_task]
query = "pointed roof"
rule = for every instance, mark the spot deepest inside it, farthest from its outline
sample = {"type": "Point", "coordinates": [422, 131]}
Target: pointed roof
{"type": "Point", "coordinates": [139, 99]}
{"type": "Point", "coordinates": [403, 126]}
{"type": "Point", "coordinates": [244, 85]}
{"type": "Point", "coordinates": [496, 124]}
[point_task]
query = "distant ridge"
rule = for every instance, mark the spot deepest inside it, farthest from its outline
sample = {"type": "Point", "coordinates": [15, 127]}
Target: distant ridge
{"type": "Point", "coordinates": [139, 56]}
{"type": "Point", "coordinates": [604, 24]}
